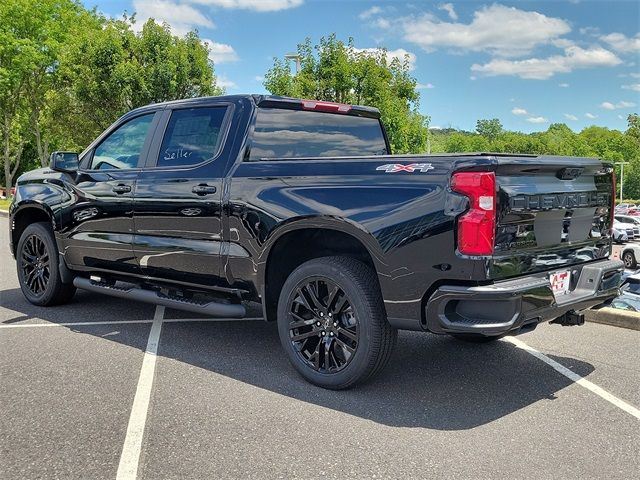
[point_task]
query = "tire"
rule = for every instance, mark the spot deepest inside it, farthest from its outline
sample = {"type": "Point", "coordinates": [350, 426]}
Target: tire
{"type": "Point", "coordinates": [629, 260]}
{"type": "Point", "coordinates": [37, 263]}
{"type": "Point", "coordinates": [337, 306]}
{"type": "Point", "coordinates": [475, 337]}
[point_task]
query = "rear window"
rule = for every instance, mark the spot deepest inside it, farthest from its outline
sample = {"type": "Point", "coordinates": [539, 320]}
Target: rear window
{"type": "Point", "coordinates": [282, 133]}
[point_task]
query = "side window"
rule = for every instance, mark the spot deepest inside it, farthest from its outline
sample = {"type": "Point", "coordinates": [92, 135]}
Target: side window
{"type": "Point", "coordinates": [122, 148]}
{"type": "Point", "coordinates": [192, 136]}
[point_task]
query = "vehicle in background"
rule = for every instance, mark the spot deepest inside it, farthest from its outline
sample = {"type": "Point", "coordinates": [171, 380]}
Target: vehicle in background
{"type": "Point", "coordinates": [631, 285]}
{"type": "Point", "coordinates": [627, 228]}
{"type": "Point", "coordinates": [619, 236]}
{"type": "Point", "coordinates": [629, 298]}
{"type": "Point", "coordinates": [630, 255]}
{"type": "Point", "coordinates": [633, 221]}
{"type": "Point", "coordinates": [626, 302]}
{"type": "Point", "coordinates": [622, 208]}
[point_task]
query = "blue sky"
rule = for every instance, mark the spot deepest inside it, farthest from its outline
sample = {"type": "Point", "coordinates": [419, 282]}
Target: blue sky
{"type": "Point", "coordinates": [527, 63]}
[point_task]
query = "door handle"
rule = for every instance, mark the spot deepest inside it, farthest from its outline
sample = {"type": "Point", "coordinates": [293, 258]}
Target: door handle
{"type": "Point", "coordinates": [122, 188]}
{"type": "Point", "coordinates": [203, 189]}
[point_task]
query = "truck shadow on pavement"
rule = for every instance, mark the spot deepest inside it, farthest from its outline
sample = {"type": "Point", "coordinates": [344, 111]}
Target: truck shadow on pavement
{"type": "Point", "coordinates": [432, 381]}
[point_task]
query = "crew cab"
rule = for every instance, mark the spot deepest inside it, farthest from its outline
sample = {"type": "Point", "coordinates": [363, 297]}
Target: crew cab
{"type": "Point", "coordinates": [206, 204]}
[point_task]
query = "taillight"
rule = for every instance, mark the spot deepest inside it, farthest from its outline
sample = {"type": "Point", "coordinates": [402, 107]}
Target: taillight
{"type": "Point", "coordinates": [325, 106]}
{"type": "Point", "coordinates": [476, 227]}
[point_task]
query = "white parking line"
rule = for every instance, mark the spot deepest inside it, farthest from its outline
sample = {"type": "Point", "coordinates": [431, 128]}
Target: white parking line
{"type": "Point", "coordinates": [128, 467]}
{"type": "Point", "coordinates": [621, 404]}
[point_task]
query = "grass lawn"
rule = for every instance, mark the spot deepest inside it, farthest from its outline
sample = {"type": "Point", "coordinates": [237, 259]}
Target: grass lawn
{"type": "Point", "coordinates": [4, 204]}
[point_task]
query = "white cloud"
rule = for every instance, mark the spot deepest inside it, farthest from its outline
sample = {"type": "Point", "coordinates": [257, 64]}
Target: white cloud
{"type": "Point", "coordinates": [519, 111]}
{"type": "Point", "coordinates": [537, 120]}
{"type": "Point", "coordinates": [220, 52]}
{"type": "Point", "coordinates": [568, 116]}
{"type": "Point", "coordinates": [382, 23]}
{"type": "Point", "coordinates": [543, 68]}
{"type": "Point", "coordinates": [473, 77]}
{"type": "Point", "coordinates": [498, 29]}
{"type": "Point", "coordinates": [182, 18]}
{"type": "Point", "coordinates": [226, 83]}
{"type": "Point", "coordinates": [590, 115]}
{"type": "Point", "coordinates": [621, 117]}
{"type": "Point", "coordinates": [616, 106]}
{"type": "Point", "coordinates": [563, 85]}
{"type": "Point", "coordinates": [370, 12]}
{"type": "Point", "coordinates": [622, 43]}
{"type": "Point", "coordinates": [256, 5]}
{"type": "Point", "coordinates": [423, 86]}
{"type": "Point", "coordinates": [592, 31]}
{"type": "Point", "coordinates": [448, 7]}
{"type": "Point", "coordinates": [399, 53]}
{"type": "Point", "coordinates": [634, 86]}
{"type": "Point", "coordinates": [259, 78]}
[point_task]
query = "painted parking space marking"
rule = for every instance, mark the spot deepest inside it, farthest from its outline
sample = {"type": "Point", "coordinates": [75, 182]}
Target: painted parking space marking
{"type": "Point", "coordinates": [621, 404]}
{"type": "Point", "coordinates": [130, 456]}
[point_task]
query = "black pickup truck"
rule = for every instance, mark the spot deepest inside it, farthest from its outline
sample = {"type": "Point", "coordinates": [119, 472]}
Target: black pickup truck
{"type": "Point", "coordinates": [209, 203]}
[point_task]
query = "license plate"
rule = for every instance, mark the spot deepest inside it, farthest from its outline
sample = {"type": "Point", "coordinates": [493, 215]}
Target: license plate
{"type": "Point", "coordinates": [560, 282]}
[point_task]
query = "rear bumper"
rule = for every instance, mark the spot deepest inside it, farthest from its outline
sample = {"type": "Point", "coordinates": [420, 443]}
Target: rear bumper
{"type": "Point", "coordinates": [510, 305]}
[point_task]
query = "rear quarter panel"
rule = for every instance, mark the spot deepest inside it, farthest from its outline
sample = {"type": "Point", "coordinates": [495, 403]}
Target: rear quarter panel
{"type": "Point", "coordinates": [399, 217]}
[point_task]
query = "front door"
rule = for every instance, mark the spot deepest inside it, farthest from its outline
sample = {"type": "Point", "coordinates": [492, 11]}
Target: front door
{"type": "Point", "coordinates": [177, 205]}
{"type": "Point", "coordinates": [100, 221]}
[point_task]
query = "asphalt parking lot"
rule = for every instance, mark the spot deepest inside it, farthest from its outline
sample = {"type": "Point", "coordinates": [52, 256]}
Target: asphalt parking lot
{"type": "Point", "coordinates": [102, 388]}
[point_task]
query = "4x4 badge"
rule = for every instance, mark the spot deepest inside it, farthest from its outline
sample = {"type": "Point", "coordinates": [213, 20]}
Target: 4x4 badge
{"type": "Point", "coordinates": [412, 167]}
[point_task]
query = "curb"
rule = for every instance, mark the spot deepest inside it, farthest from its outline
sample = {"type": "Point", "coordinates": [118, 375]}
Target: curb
{"type": "Point", "coordinates": [614, 317]}
{"type": "Point", "coordinates": [4, 213]}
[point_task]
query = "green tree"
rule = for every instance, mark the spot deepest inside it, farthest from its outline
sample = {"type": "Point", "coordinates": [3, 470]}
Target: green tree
{"type": "Point", "coordinates": [633, 129]}
{"type": "Point", "coordinates": [32, 33]}
{"type": "Point", "coordinates": [490, 129]}
{"type": "Point", "coordinates": [336, 71]}
{"type": "Point", "coordinates": [111, 70]}
{"type": "Point", "coordinates": [66, 73]}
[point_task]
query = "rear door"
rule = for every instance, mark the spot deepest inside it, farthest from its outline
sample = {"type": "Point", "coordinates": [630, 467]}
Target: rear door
{"type": "Point", "coordinates": [101, 218]}
{"type": "Point", "coordinates": [177, 206]}
{"type": "Point", "coordinates": [553, 212]}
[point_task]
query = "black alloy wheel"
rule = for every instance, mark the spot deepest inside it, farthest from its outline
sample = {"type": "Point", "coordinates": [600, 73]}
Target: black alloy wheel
{"type": "Point", "coordinates": [332, 322]}
{"type": "Point", "coordinates": [323, 327]}
{"type": "Point", "coordinates": [35, 264]}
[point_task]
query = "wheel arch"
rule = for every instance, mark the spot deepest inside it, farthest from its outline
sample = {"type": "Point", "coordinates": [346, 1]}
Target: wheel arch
{"type": "Point", "coordinates": [25, 214]}
{"type": "Point", "coordinates": [306, 239]}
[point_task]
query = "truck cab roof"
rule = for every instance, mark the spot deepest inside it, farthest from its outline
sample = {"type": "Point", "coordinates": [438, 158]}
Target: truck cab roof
{"type": "Point", "coordinates": [270, 101]}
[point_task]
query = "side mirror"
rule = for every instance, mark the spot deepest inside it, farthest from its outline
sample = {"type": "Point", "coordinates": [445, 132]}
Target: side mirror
{"type": "Point", "coordinates": [64, 162]}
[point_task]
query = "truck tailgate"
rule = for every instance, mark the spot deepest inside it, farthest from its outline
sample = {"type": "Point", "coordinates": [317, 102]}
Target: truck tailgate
{"type": "Point", "coordinates": [552, 213]}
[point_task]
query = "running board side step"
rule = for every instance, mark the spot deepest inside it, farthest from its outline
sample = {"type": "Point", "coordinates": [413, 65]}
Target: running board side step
{"type": "Point", "coordinates": [150, 296]}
